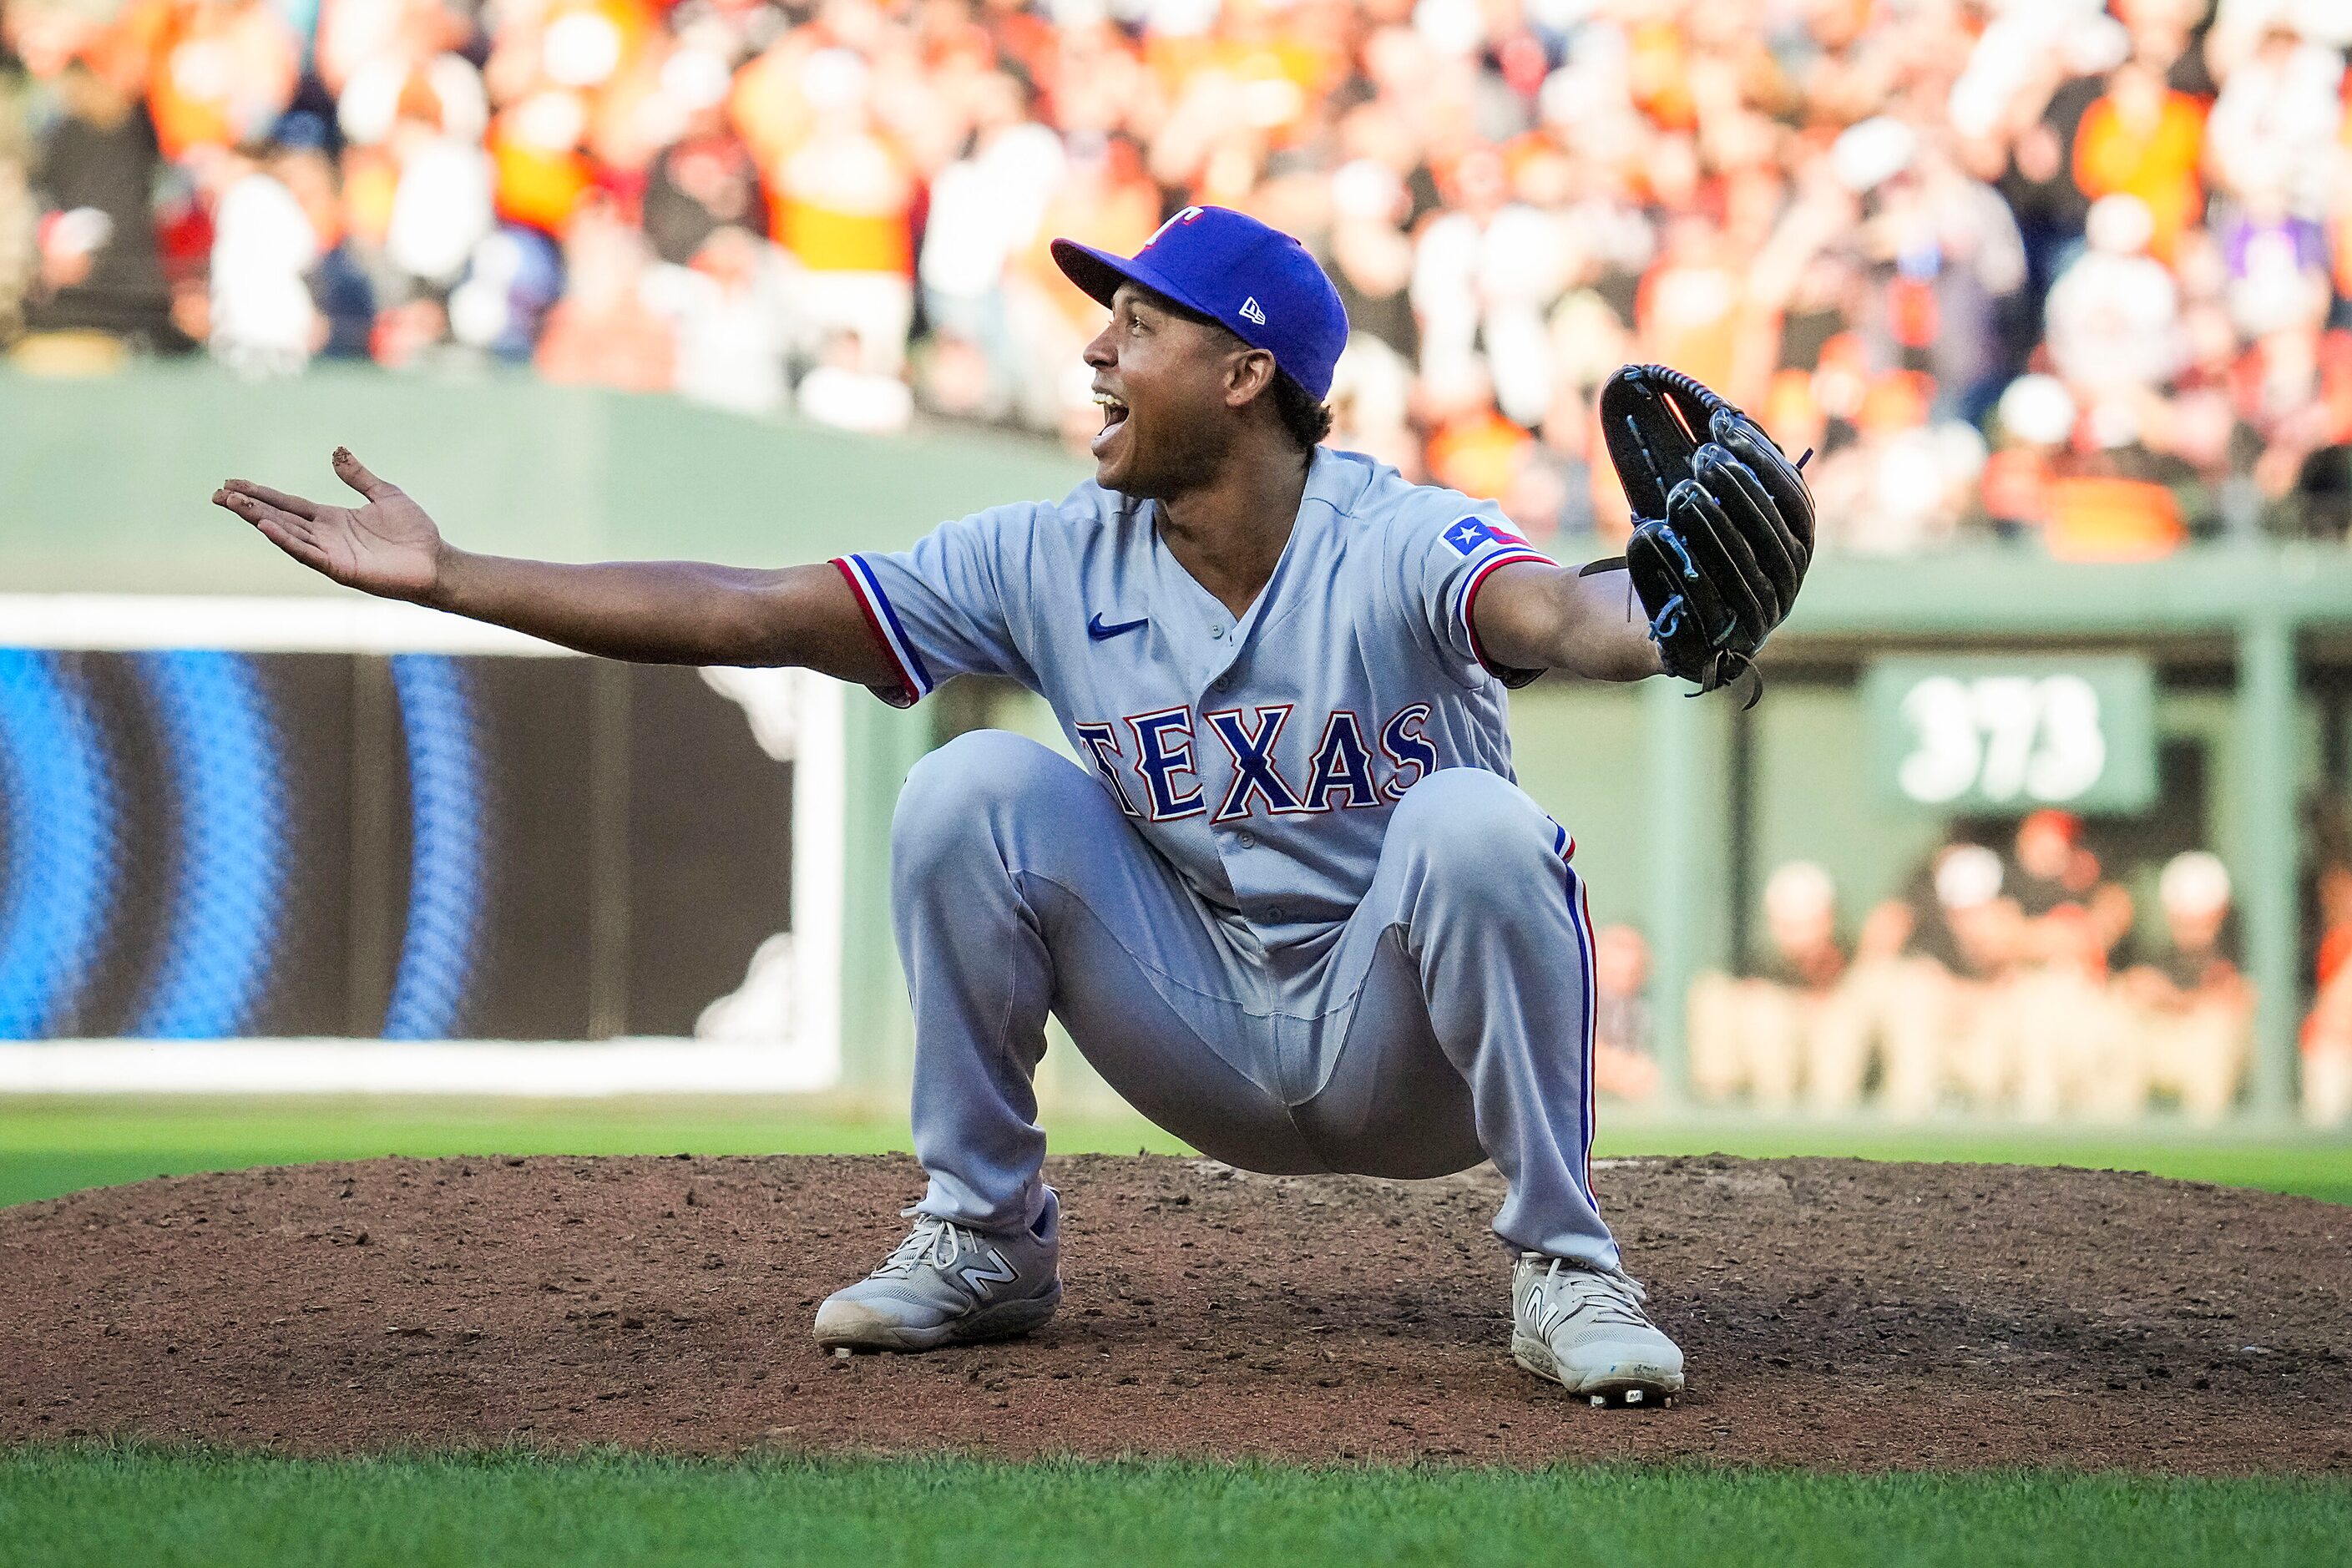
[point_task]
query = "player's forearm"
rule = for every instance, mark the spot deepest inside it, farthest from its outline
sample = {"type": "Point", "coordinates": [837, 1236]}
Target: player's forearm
{"type": "Point", "coordinates": [1603, 635]}
{"type": "Point", "coordinates": [1547, 617]}
{"type": "Point", "coordinates": [668, 612]}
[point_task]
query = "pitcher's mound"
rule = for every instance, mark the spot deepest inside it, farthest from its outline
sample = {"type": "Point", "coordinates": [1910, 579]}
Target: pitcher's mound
{"type": "Point", "coordinates": [1836, 1314]}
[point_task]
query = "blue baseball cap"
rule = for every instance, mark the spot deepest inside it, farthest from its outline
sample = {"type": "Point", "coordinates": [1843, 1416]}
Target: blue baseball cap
{"type": "Point", "coordinates": [1257, 281]}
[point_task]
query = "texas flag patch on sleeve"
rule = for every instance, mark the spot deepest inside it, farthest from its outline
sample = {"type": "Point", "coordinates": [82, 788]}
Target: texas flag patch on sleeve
{"type": "Point", "coordinates": [1473, 533]}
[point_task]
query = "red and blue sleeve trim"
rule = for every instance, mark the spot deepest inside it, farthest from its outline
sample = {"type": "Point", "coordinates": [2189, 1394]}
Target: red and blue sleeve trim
{"type": "Point", "coordinates": [1468, 598]}
{"type": "Point", "coordinates": [914, 680]}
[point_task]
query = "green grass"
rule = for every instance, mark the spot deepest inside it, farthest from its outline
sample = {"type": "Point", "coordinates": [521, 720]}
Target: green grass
{"type": "Point", "coordinates": [107, 1507]}
{"type": "Point", "coordinates": [2301, 1164]}
{"type": "Point", "coordinates": [59, 1144]}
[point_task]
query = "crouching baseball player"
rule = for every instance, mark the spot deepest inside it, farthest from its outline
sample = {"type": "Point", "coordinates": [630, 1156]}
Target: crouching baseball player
{"type": "Point", "coordinates": [1292, 905]}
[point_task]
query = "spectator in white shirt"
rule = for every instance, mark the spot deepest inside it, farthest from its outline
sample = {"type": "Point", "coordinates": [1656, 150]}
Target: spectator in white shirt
{"type": "Point", "coordinates": [2274, 126]}
{"type": "Point", "coordinates": [262, 320]}
{"type": "Point", "coordinates": [2113, 316]}
{"type": "Point", "coordinates": [985, 209]}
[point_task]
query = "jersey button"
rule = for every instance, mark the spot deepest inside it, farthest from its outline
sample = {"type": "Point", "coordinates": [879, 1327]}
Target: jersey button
{"type": "Point", "coordinates": [1216, 630]}
{"type": "Point", "coordinates": [1246, 840]}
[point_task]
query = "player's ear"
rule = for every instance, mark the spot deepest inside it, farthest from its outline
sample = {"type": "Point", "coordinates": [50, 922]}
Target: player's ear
{"type": "Point", "coordinates": [1247, 373]}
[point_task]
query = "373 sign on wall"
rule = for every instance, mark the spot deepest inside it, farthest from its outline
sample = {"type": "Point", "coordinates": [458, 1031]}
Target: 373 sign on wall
{"type": "Point", "coordinates": [1994, 734]}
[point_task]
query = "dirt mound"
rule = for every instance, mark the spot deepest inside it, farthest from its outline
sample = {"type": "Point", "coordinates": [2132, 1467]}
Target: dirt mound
{"type": "Point", "coordinates": [1837, 1314]}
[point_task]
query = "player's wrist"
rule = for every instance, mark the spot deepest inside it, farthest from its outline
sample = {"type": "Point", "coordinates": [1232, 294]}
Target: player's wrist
{"type": "Point", "coordinates": [445, 588]}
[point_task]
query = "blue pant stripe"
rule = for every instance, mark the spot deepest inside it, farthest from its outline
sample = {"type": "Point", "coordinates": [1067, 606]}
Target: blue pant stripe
{"type": "Point", "coordinates": [1580, 918]}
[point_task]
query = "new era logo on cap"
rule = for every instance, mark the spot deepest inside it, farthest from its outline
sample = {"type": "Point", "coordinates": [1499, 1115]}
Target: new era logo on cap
{"type": "Point", "coordinates": [1251, 313]}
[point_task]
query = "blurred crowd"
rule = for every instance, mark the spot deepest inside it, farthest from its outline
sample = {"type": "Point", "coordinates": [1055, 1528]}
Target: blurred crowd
{"type": "Point", "coordinates": [2065, 271]}
{"type": "Point", "coordinates": [2016, 982]}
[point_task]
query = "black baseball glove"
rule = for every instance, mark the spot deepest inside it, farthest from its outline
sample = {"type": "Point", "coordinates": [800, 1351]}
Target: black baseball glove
{"type": "Point", "coordinates": [1723, 523]}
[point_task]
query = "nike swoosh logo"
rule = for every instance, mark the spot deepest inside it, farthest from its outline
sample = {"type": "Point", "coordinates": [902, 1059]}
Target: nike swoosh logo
{"type": "Point", "coordinates": [1101, 633]}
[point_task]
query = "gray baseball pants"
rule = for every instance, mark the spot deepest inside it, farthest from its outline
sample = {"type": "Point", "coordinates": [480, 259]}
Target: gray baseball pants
{"type": "Point", "coordinates": [1450, 1020]}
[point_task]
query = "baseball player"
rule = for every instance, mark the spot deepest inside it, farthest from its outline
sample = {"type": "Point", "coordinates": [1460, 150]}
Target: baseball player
{"type": "Point", "coordinates": [1290, 902]}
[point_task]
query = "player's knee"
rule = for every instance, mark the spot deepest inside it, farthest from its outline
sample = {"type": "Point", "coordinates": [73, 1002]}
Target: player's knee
{"type": "Point", "coordinates": [1475, 828]}
{"type": "Point", "coordinates": [973, 785]}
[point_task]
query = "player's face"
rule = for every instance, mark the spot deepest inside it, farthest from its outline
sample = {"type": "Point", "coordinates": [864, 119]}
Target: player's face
{"type": "Point", "coordinates": [1160, 377]}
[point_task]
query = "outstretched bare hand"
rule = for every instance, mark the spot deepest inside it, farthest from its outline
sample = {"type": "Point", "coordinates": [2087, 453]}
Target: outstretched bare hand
{"type": "Point", "coordinates": [387, 547]}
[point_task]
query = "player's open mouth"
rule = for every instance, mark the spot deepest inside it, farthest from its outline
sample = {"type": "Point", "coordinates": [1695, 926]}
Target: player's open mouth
{"type": "Point", "coordinates": [1114, 420]}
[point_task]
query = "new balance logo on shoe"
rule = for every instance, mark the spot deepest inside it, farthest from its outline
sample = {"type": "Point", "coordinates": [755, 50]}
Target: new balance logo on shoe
{"type": "Point", "coordinates": [981, 1282]}
{"type": "Point", "coordinates": [1252, 313]}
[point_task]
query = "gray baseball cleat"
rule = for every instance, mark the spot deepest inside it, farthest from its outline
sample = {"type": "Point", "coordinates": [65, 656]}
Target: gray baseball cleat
{"type": "Point", "coordinates": [1583, 1327]}
{"type": "Point", "coordinates": [948, 1284]}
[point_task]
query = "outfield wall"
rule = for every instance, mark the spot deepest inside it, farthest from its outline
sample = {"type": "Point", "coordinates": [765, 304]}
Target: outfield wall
{"type": "Point", "coordinates": [1680, 807]}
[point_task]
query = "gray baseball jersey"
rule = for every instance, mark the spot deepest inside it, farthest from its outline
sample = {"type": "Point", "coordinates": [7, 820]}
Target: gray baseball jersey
{"type": "Point", "coordinates": [1261, 755]}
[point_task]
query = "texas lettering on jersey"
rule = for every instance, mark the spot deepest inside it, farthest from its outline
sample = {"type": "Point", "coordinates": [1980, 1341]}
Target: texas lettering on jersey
{"type": "Point", "coordinates": [1151, 765]}
{"type": "Point", "coordinates": [1262, 752]}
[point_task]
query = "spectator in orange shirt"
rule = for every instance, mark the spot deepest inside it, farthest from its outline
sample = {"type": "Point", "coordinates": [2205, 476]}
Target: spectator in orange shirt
{"type": "Point", "coordinates": [844, 197]}
{"type": "Point", "coordinates": [2340, 227]}
{"type": "Point", "coordinates": [2145, 140]}
{"type": "Point", "coordinates": [1690, 306]}
{"type": "Point", "coordinates": [1479, 453]}
{"type": "Point", "coordinates": [602, 333]}
{"type": "Point", "coordinates": [1472, 448]}
{"type": "Point", "coordinates": [2327, 1030]}
{"type": "Point", "coordinates": [225, 71]}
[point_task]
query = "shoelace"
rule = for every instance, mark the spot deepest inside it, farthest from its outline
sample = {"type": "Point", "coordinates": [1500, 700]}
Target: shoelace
{"type": "Point", "coordinates": [1608, 1298]}
{"type": "Point", "coordinates": [925, 1244]}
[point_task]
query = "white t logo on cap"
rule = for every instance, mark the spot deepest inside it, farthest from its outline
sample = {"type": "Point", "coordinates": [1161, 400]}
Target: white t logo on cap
{"type": "Point", "coordinates": [1187, 215]}
{"type": "Point", "coordinates": [1251, 313]}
